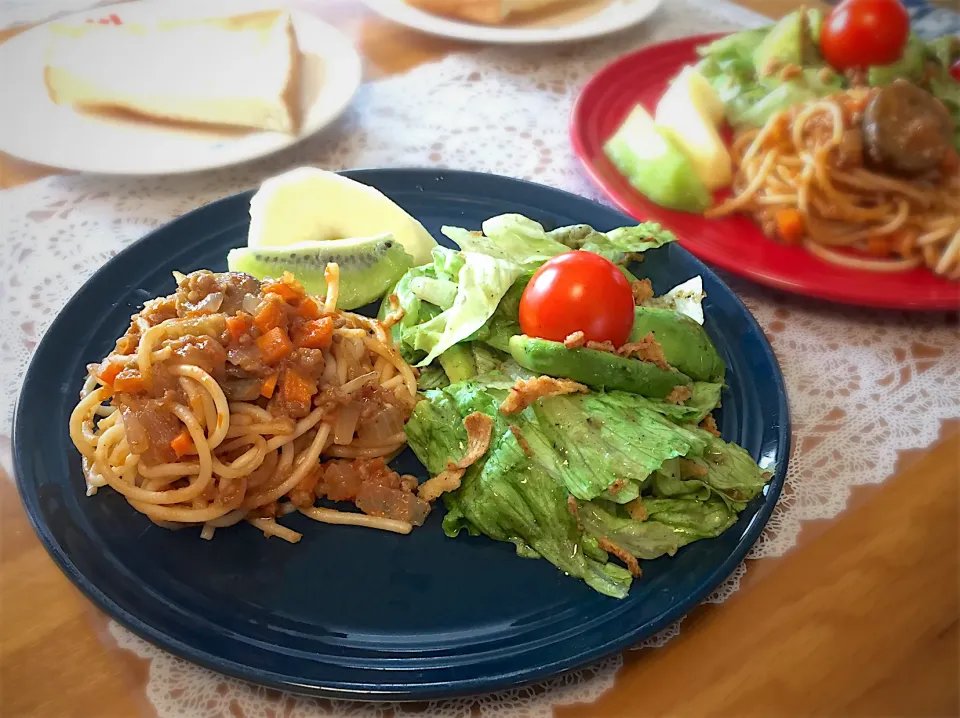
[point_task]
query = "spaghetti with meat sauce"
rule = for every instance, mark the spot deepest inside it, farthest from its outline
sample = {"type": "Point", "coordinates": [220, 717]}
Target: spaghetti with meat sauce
{"type": "Point", "coordinates": [866, 179]}
{"type": "Point", "coordinates": [218, 403]}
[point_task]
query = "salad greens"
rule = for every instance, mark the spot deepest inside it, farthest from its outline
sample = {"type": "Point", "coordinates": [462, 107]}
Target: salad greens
{"type": "Point", "coordinates": [567, 474]}
{"type": "Point", "coordinates": [604, 449]}
{"type": "Point", "coordinates": [745, 69]}
{"type": "Point", "coordinates": [457, 298]}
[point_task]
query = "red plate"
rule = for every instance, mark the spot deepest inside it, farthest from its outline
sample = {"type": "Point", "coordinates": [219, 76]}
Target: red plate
{"type": "Point", "coordinates": [734, 243]}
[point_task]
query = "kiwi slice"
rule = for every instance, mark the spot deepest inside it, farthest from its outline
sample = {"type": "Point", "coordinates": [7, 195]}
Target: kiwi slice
{"type": "Point", "coordinates": [369, 266]}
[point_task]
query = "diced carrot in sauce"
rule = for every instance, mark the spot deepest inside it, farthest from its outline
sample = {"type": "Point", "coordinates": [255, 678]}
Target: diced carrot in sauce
{"type": "Point", "coordinates": [288, 288]}
{"type": "Point", "coordinates": [128, 381]}
{"type": "Point", "coordinates": [905, 242]}
{"type": "Point", "coordinates": [268, 385]}
{"type": "Point", "coordinates": [269, 317]}
{"type": "Point", "coordinates": [878, 246]}
{"type": "Point", "coordinates": [790, 225]}
{"type": "Point", "coordinates": [108, 371]}
{"type": "Point", "coordinates": [315, 334]}
{"type": "Point", "coordinates": [183, 444]}
{"type": "Point", "coordinates": [237, 326]}
{"type": "Point", "coordinates": [308, 308]}
{"type": "Point", "coordinates": [274, 345]}
{"type": "Point", "coordinates": [295, 389]}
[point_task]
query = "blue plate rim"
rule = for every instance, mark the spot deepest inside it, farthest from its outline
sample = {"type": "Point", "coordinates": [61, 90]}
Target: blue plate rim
{"type": "Point", "coordinates": [343, 690]}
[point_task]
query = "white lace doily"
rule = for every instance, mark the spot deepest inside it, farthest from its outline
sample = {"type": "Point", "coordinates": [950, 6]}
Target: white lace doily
{"type": "Point", "coordinates": [863, 385]}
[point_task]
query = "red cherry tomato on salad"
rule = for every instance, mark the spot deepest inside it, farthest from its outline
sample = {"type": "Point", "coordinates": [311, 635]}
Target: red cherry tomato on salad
{"type": "Point", "coordinates": [578, 292]}
{"type": "Point", "coordinates": [863, 33]}
{"type": "Point", "coordinates": [955, 71]}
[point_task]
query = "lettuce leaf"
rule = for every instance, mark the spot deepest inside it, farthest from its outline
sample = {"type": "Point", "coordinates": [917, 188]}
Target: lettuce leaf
{"type": "Point", "coordinates": [670, 525]}
{"type": "Point", "coordinates": [617, 244]}
{"type": "Point", "coordinates": [596, 442]}
{"type": "Point", "coordinates": [510, 237]}
{"type": "Point", "coordinates": [412, 306]}
{"type": "Point", "coordinates": [515, 238]}
{"type": "Point", "coordinates": [705, 398]}
{"type": "Point", "coordinates": [581, 445]}
{"type": "Point", "coordinates": [947, 91]}
{"type": "Point", "coordinates": [505, 495]}
{"type": "Point", "coordinates": [432, 377]}
{"type": "Point", "coordinates": [505, 321]}
{"type": "Point", "coordinates": [483, 280]}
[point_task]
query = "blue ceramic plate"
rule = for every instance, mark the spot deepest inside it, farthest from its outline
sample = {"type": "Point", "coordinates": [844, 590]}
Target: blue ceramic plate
{"type": "Point", "coordinates": [349, 612]}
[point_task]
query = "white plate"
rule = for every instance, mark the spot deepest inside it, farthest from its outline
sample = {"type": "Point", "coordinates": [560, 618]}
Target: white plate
{"type": "Point", "coordinates": [579, 21]}
{"type": "Point", "coordinates": [34, 128]}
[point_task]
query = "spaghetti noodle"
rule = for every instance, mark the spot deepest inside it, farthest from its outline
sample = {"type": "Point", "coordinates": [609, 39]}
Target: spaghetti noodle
{"type": "Point", "coordinates": [803, 178]}
{"type": "Point", "coordinates": [218, 403]}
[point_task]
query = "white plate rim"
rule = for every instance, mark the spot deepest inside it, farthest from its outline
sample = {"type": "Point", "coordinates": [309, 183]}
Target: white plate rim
{"type": "Point", "coordinates": [634, 12]}
{"type": "Point", "coordinates": [341, 54]}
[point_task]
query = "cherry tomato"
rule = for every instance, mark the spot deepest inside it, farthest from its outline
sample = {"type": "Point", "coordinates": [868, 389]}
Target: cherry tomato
{"type": "Point", "coordinates": [863, 33]}
{"type": "Point", "coordinates": [578, 292]}
{"type": "Point", "coordinates": [955, 71]}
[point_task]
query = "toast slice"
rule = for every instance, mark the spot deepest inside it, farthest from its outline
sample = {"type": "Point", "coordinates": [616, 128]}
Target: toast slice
{"type": "Point", "coordinates": [241, 71]}
{"type": "Point", "coordinates": [486, 12]}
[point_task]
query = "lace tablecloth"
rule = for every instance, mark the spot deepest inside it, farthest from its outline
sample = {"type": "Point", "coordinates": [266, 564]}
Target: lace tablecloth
{"type": "Point", "coordinates": [863, 385]}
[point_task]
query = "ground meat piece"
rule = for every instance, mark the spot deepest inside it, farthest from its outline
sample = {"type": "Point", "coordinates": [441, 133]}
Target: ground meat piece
{"type": "Point", "coordinates": [376, 489]}
{"type": "Point", "coordinates": [826, 74]}
{"type": "Point", "coordinates": [331, 398]}
{"type": "Point", "coordinates": [194, 289]}
{"type": "Point", "coordinates": [526, 391]}
{"type": "Point", "coordinates": [850, 150]}
{"type": "Point", "coordinates": [789, 72]}
{"type": "Point", "coordinates": [856, 76]}
{"type": "Point", "coordinates": [770, 67]}
{"type": "Point", "coordinates": [647, 349]}
{"type": "Point", "coordinates": [710, 424]}
{"type": "Point", "coordinates": [309, 362]}
{"type": "Point", "coordinates": [200, 351]}
{"type": "Point", "coordinates": [604, 346]}
{"type": "Point", "coordinates": [679, 395]}
{"type": "Point", "coordinates": [575, 340]}
{"type": "Point", "coordinates": [154, 311]}
{"type": "Point", "coordinates": [629, 560]}
{"type": "Point", "coordinates": [642, 291]}
{"type": "Point", "coordinates": [159, 310]}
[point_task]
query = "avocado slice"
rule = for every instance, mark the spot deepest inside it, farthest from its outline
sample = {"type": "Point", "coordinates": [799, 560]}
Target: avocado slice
{"type": "Point", "coordinates": [910, 66]}
{"type": "Point", "coordinates": [596, 369]}
{"type": "Point", "coordinates": [685, 343]}
{"type": "Point", "coordinates": [783, 45]}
